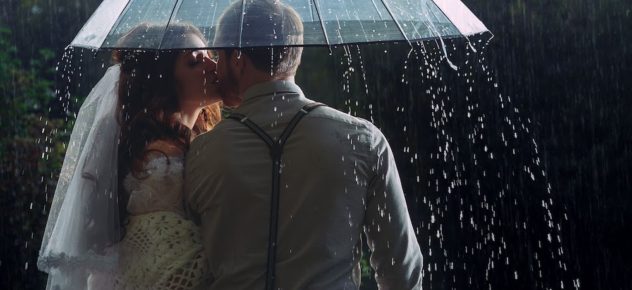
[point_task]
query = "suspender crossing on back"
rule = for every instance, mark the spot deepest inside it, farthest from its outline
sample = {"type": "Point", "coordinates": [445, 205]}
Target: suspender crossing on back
{"type": "Point", "coordinates": [276, 152]}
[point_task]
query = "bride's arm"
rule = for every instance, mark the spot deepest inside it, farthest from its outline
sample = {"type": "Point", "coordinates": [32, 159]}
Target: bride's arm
{"type": "Point", "coordinates": [104, 279]}
{"type": "Point", "coordinates": [101, 281]}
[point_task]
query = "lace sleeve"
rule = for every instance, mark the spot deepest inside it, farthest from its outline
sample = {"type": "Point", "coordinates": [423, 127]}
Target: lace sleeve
{"type": "Point", "coordinates": [158, 187]}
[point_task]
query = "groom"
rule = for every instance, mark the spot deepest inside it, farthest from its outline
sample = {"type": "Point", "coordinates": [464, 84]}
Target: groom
{"type": "Point", "coordinates": [336, 177]}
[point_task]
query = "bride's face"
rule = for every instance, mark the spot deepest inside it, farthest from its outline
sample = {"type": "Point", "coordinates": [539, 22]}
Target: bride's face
{"type": "Point", "coordinates": [193, 68]}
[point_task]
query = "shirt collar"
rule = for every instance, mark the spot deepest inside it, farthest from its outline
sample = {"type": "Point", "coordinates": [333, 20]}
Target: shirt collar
{"type": "Point", "coordinates": [256, 93]}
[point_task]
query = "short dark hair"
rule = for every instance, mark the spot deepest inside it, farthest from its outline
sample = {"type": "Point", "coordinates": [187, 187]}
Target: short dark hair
{"type": "Point", "coordinates": [271, 36]}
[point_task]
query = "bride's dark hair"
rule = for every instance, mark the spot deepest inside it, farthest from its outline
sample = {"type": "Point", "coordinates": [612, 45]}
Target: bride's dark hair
{"type": "Point", "coordinates": [148, 100]}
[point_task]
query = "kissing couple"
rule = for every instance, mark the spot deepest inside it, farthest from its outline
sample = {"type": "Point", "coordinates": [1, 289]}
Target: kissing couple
{"type": "Point", "coordinates": [159, 190]}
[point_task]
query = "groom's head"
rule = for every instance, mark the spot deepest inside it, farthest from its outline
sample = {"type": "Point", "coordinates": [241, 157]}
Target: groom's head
{"type": "Point", "coordinates": [270, 39]}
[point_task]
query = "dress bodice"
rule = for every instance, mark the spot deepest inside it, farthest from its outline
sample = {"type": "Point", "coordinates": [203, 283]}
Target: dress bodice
{"type": "Point", "coordinates": [158, 187]}
{"type": "Point", "coordinates": [161, 248]}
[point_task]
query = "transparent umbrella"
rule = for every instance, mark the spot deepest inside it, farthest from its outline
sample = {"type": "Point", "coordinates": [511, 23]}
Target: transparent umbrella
{"type": "Point", "coordinates": [326, 22]}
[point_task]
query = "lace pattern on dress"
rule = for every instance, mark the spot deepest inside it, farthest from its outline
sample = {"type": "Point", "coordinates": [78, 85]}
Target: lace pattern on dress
{"type": "Point", "coordinates": [161, 249]}
{"type": "Point", "coordinates": [158, 188]}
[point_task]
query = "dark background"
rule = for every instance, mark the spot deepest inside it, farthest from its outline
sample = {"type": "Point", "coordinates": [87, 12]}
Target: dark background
{"type": "Point", "coordinates": [565, 65]}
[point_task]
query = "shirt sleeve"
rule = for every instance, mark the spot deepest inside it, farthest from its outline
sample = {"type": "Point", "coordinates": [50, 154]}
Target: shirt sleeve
{"type": "Point", "coordinates": [395, 254]}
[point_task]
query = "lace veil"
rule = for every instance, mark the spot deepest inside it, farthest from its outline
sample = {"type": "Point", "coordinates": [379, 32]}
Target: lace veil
{"type": "Point", "coordinates": [83, 223]}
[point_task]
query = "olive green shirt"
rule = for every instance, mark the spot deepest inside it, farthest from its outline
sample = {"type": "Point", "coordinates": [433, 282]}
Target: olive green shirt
{"type": "Point", "coordinates": [338, 180]}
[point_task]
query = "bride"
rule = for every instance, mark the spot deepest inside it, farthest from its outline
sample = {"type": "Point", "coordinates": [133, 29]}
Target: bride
{"type": "Point", "coordinates": [117, 220]}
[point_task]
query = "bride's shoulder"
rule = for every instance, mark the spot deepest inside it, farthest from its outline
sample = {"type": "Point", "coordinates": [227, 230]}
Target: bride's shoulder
{"type": "Point", "coordinates": [164, 147]}
{"type": "Point", "coordinates": [163, 152]}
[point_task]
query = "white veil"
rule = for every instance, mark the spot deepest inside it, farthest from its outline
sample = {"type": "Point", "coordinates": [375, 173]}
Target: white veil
{"type": "Point", "coordinates": [83, 224]}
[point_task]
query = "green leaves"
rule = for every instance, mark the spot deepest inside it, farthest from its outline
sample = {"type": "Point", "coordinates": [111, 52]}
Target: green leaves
{"type": "Point", "coordinates": [31, 155]}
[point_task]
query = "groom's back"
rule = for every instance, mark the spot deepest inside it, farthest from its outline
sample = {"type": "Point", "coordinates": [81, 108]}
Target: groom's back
{"type": "Point", "coordinates": [327, 166]}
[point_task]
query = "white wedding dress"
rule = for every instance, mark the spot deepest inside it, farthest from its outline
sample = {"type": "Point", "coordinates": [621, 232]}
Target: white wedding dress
{"type": "Point", "coordinates": [161, 249]}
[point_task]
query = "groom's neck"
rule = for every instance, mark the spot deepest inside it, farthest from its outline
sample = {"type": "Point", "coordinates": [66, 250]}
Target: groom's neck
{"type": "Point", "coordinates": [255, 79]}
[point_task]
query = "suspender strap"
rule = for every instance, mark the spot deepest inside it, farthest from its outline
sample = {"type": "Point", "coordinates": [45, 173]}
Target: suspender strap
{"type": "Point", "coordinates": [276, 152]}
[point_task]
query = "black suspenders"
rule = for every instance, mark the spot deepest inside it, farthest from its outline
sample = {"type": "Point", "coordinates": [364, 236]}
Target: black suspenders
{"type": "Point", "coordinates": [276, 151]}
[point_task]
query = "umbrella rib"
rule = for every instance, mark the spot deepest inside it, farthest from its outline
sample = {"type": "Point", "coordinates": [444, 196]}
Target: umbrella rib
{"type": "Point", "coordinates": [241, 27]}
{"type": "Point", "coordinates": [401, 30]}
{"type": "Point", "coordinates": [164, 32]}
{"type": "Point", "coordinates": [378, 10]}
{"type": "Point", "coordinates": [116, 23]}
{"type": "Point", "coordinates": [311, 11]}
{"type": "Point", "coordinates": [322, 23]}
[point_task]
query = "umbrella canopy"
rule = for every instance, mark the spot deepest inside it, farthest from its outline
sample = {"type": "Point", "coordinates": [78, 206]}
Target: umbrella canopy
{"type": "Point", "coordinates": [326, 22]}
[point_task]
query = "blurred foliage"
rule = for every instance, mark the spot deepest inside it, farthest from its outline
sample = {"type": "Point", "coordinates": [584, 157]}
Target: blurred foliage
{"type": "Point", "coordinates": [28, 163]}
{"type": "Point", "coordinates": [47, 24]}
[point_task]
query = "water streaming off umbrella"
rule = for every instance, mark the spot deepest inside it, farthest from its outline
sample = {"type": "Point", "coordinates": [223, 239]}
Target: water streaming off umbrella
{"type": "Point", "coordinates": [468, 161]}
{"type": "Point", "coordinates": [483, 210]}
